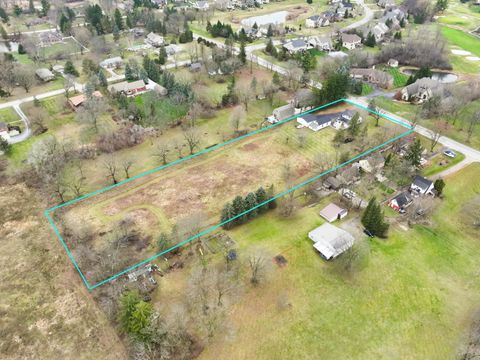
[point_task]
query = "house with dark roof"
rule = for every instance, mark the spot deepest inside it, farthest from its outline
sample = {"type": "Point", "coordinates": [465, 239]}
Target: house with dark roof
{"type": "Point", "coordinates": [401, 201]}
{"type": "Point", "coordinates": [421, 186]}
{"type": "Point", "coordinates": [316, 122]}
{"type": "Point", "coordinates": [316, 21]}
{"type": "Point", "coordinates": [296, 45]}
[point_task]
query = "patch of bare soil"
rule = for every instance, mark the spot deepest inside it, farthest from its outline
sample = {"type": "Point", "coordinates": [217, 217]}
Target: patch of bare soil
{"type": "Point", "coordinates": [295, 12]}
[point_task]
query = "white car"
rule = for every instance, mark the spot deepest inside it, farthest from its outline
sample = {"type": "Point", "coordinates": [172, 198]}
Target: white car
{"type": "Point", "coordinates": [449, 153]}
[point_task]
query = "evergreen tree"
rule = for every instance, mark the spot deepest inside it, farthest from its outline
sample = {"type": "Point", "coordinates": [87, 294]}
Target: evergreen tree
{"type": "Point", "coordinates": [414, 154]}
{"type": "Point", "coordinates": [116, 33]}
{"type": "Point", "coordinates": [439, 185]}
{"type": "Point", "coordinates": [255, 26]}
{"type": "Point", "coordinates": [162, 56]}
{"type": "Point", "coordinates": [128, 303]}
{"type": "Point", "coordinates": [65, 25]}
{"type": "Point", "coordinates": [238, 206]}
{"type": "Point", "coordinates": [370, 41]}
{"type": "Point", "coordinates": [31, 7]}
{"type": "Point", "coordinates": [5, 147]}
{"type": "Point", "coordinates": [270, 31]}
{"type": "Point", "coordinates": [276, 79]}
{"type": "Point", "coordinates": [45, 7]}
{"type": "Point", "coordinates": [21, 49]}
{"type": "Point", "coordinates": [269, 46]}
{"type": "Point", "coordinates": [3, 15]}
{"type": "Point", "coordinates": [398, 35]}
{"type": "Point", "coordinates": [261, 196]}
{"type": "Point", "coordinates": [373, 219]}
{"type": "Point", "coordinates": [163, 242]}
{"type": "Point", "coordinates": [102, 80]}
{"type": "Point", "coordinates": [70, 69]}
{"type": "Point", "coordinates": [354, 127]}
{"type": "Point", "coordinates": [227, 214]}
{"type": "Point", "coordinates": [334, 87]}
{"type": "Point", "coordinates": [129, 73]}
{"type": "Point", "coordinates": [242, 56]}
{"type": "Point", "coordinates": [118, 19]}
{"type": "Point", "coordinates": [17, 10]}
{"type": "Point", "coordinates": [250, 202]}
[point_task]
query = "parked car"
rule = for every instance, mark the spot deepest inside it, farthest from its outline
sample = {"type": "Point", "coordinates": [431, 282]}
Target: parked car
{"type": "Point", "coordinates": [368, 233]}
{"type": "Point", "coordinates": [449, 153]}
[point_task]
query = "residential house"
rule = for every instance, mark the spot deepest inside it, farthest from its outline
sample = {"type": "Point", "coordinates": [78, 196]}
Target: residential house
{"type": "Point", "coordinates": [372, 163]}
{"type": "Point", "coordinates": [333, 183]}
{"type": "Point", "coordinates": [296, 45]}
{"type": "Point", "coordinates": [349, 175]}
{"type": "Point", "coordinates": [281, 113]}
{"type": "Point", "coordinates": [196, 66]}
{"type": "Point", "coordinates": [385, 3]}
{"type": "Point", "coordinates": [320, 42]}
{"type": "Point", "coordinates": [401, 201]}
{"type": "Point", "coordinates": [422, 90]}
{"type": "Point", "coordinates": [331, 241]}
{"type": "Point", "coordinates": [316, 21]}
{"type": "Point", "coordinates": [154, 39]}
{"type": "Point", "coordinates": [421, 186]}
{"type": "Point", "coordinates": [133, 88]}
{"type": "Point", "coordinates": [112, 63]}
{"type": "Point", "coordinates": [49, 38]}
{"type": "Point", "coordinates": [44, 74]}
{"type": "Point", "coordinates": [342, 119]}
{"type": "Point", "coordinates": [379, 30]}
{"type": "Point", "coordinates": [200, 5]}
{"type": "Point", "coordinates": [173, 49]}
{"type": "Point", "coordinates": [59, 69]}
{"type": "Point", "coordinates": [333, 212]}
{"type": "Point", "coordinates": [76, 101]}
{"type": "Point", "coordinates": [393, 63]}
{"type": "Point", "coordinates": [351, 41]}
{"type": "Point", "coordinates": [315, 122]}
{"type": "Point", "coordinates": [373, 76]}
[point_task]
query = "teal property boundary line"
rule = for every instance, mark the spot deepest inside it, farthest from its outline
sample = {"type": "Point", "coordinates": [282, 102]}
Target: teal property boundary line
{"type": "Point", "coordinates": [210, 229]}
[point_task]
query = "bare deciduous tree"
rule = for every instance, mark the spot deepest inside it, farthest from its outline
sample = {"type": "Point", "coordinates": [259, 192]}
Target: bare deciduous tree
{"type": "Point", "coordinates": [237, 117]}
{"type": "Point", "coordinates": [126, 165]}
{"type": "Point", "coordinates": [192, 137]}
{"type": "Point", "coordinates": [111, 167]}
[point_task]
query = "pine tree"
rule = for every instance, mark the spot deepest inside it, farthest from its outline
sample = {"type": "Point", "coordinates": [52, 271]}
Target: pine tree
{"type": "Point", "coordinates": [250, 202]}
{"type": "Point", "coordinates": [118, 19]}
{"type": "Point", "coordinates": [70, 69]}
{"type": "Point", "coordinates": [128, 72]}
{"type": "Point", "coordinates": [162, 56]}
{"type": "Point", "coordinates": [31, 7]}
{"type": "Point", "coordinates": [242, 55]}
{"type": "Point", "coordinates": [21, 49]}
{"type": "Point", "coordinates": [227, 214]}
{"type": "Point", "coordinates": [270, 194]}
{"type": "Point", "coordinates": [354, 126]}
{"type": "Point", "coordinates": [439, 185]}
{"type": "Point", "coordinates": [414, 153]}
{"type": "Point", "coordinates": [261, 196]}
{"type": "Point", "coordinates": [238, 206]}
{"type": "Point", "coordinates": [373, 219]}
{"type": "Point", "coordinates": [270, 31]}
{"type": "Point", "coordinates": [102, 80]}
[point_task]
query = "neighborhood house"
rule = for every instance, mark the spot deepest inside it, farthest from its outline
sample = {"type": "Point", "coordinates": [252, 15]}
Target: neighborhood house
{"type": "Point", "coordinates": [338, 120]}
{"type": "Point", "coordinates": [133, 88]}
{"type": "Point", "coordinates": [333, 212]}
{"type": "Point", "coordinates": [44, 74]}
{"type": "Point", "coordinates": [351, 41]}
{"type": "Point", "coordinates": [112, 63]}
{"type": "Point", "coordinates": [330, 240]}
{"type": "Point", "coordinates": [421, 186]}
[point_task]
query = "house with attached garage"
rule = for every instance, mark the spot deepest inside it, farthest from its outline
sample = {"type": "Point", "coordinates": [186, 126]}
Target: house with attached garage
{"type": "Point", "coordinates": [154, 40]}
{"type": "Point", "coordinates": [316, 122]}
{"type": "Point", "coordinates": [422, 186]}
{"type": "Point", "coordinates": [133, 88]}
{"type": "Point", "coordinates": [281, 113]}
{"type": "Point", "coordinates": [317, 21]}
{"type": "Point", "coordinates": [112, 63]}
{"type": "Point", "coordinates": [44, 74]}
{"type": "Point", "coordinates": [323, 43]}
{"type": "Point", "coordinates": [351, 41]}
{"type": "Point", "coordinates": [401, 201]}
{"type": "Point", "coordinates": [296, 45]}
{"type": "Point", "coordinates": [373, 76]}
{"type": "Point", "coordinates": [421, 90]}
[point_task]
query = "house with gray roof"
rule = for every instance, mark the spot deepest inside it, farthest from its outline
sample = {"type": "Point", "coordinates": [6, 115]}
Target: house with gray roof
{"type": "Point", "coordinates": [296, 45]}
{"type": "Point", "coordinates": [323, 43]}
{"type": "Point", "coordinates": [44, 74]}
{"type": "Point", "coordinates": [316, 21]}
{"type": "Point", "coordinates": [373, 76]}
{"type": "Point", "coordinates": [331, 241]}
{"type": "Point", "coordinates": [401, 201]}
{"type": "Point", "coordinates": [422, 90]}
{"type": "Point", "coordinates": [351, 41]}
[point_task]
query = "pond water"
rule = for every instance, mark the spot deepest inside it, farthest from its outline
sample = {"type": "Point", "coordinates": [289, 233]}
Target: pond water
{"type": "Point", "coordinates": [278, 17]}
{"type": "Point", "coordinates": [443, 77]}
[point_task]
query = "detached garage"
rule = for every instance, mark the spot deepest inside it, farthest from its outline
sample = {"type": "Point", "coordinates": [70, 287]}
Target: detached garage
{"type": "Point", "coordinates": [333, 212]}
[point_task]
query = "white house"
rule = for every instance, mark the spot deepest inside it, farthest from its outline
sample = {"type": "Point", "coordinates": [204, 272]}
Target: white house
{"type": "Point", "coordinates": [320, 42]}
{"type": "Point", "coordinates": [200, 5]}
{"type": "Point", "coordinates": [330, 240]}
{"type": "Point", "coordinates": [421, 186]}
{"type": "Point", "coordinates": [296, 45]}
{"type": "Point", "coordinates": [315, 122]}
{"type": "Point", "coordinates": [154, 40]}
{"type": "Point", "coordinates": [112, 63]}
{"type": "Point", "coordinates": [316, 21]}
{"type": "Point", "coordinates": [351, 41]}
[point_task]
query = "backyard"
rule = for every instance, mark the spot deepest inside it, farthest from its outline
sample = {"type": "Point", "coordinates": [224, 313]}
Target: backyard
{"type": "Point", "coordinates": [208, 181]}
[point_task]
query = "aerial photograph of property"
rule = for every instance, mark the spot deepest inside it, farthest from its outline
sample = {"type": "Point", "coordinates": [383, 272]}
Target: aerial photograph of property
{"type": "Point", "coordinates": [240, 179]}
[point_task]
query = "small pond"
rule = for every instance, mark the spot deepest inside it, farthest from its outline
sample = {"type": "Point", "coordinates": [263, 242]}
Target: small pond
{"type": "Point", "coordinates": [443, 77]}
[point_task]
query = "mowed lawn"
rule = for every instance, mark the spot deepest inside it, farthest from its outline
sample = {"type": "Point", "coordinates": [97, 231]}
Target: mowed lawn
{"type": "Point", "coordinates": [463, 40]}
{"type": "Point", "coordinates": [413, 300]}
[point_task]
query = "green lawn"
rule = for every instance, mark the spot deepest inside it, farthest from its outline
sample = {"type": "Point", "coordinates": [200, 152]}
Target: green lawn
{"type": "Point", "coordinates": [8, 115]}
{"type": "Point", "coordinates": [413, 300]}
{"type": "Point", "coordinates": [461, 39]}
{"type": "Point", "coordinates": [399, 78]}
{"type": "Point", "coordinates": [366, 89]}
{"type": "Point", "coordinates": [435, 167]}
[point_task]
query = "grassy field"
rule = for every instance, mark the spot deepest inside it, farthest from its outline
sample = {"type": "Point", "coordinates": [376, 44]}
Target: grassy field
{"type": "Point", "coordinates": [457, 131]}
{"type": "Point", "coordinates": [462, 40]}
{"type": "Point", "coordinates": [436, 167]}
{"type": "Point", "coordinates": [413, 300]}
{"type": "Point", "coordinates": [207, 182]}
{"type": "Point", "coordinates": [399, 78]}
{"type": "Point", "coordinates": [8, 115]}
